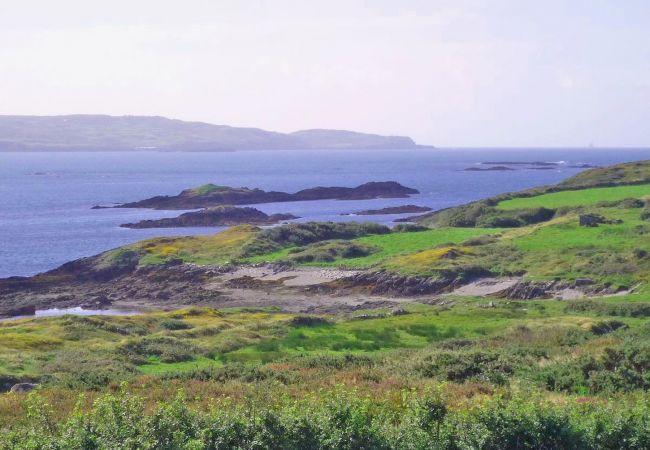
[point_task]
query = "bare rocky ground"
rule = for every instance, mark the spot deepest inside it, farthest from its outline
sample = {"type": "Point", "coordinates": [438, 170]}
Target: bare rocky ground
{"type": "Point", "coordinates": [171, 287]}
{"type": "Point", "coordinates": [304, 289]}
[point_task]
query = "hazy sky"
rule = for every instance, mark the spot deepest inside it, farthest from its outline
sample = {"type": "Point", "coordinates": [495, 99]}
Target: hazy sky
{"type": "Point", "coordinates": [447, 73]}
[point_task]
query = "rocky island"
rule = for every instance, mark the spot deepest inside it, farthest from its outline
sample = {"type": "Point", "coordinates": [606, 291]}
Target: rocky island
{"type": "Point", "coordinates": [216, 216]}
{"type": "Point", "coordinates": [209, 195]}
{"type": "Point", "coordinates": [488, 169]}
{"type": "Point", "coordinates": [404, 209]}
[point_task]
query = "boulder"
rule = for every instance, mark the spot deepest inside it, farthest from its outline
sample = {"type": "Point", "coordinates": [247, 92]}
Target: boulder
{"type": "Point", "coordinates": [21, 388]}
{"type": "Point", "coordinates": [28, 310]}
{"type": "Point", "coordinates": [590, 220]}
{"type": "Point", "coordinates": [593, 220]}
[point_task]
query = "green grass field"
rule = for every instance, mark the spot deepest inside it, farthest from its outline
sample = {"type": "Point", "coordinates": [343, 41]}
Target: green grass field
{"type": "Point", "coordinates": [391, 245]}
{"type": "Point", "coordinates": [582, 197]}
{"type": "Point", "coordinates": [67, 347]}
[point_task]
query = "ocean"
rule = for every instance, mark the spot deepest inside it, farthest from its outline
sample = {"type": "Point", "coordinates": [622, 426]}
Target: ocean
{"type": "Point", "coordinates": [46, 198]}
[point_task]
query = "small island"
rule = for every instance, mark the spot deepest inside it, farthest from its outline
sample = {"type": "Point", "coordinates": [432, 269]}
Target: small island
{"type": "Point", "coordinates": [209, 195]}
{"type": "Point", "coordinates": [404, 209]}
{"type": "Point", "coordinates": [217, 216]}
{"type": "Point", "coordinates": [489, 169]}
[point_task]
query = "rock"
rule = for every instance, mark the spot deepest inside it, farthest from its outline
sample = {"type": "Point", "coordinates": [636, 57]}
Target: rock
{"type": "Point", "coordinates": [22, 388]}
{"type": "Point", "coordinates": [368, 316]}
{"type": "Point", "coordinates": [590, 220]}
{"type": "Point", "coordinates": [487, 305]}
{"type": "Point", "coordinates": [528, 290]}
{"type": "Point", "coordinates": [489, 169]}
{"type": "Point", "coordinates": [385, 283]}
{"type": "Point", "coordinates": [308, 321]}
{"type": "Point", "coordinates": [215, 217]}
{"type": "Point", "coordinates": [28, 310]}
{"type": "Point", "coordinates": [583, 281]}
{"type": "Point", "coordinates": [593, 220]}
{"type": "Point", "coordinates": [213, 195]}
{"type": "Point", "coordinates": [392, 210]}
{"type": "Point", "coordinates": [101, 301]}
{"type": "Point", "coordinates": [521, 163]}
{"type": "Point", "coordinates": [399, 312]}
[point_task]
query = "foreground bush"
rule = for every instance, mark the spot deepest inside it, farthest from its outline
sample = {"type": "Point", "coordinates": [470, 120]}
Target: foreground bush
{"type": "Point", "coordinates": [339, 420]}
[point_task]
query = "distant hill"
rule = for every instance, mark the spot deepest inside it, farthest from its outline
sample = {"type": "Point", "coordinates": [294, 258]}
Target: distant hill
{"type": "Point", "coordinates": [132, 133]}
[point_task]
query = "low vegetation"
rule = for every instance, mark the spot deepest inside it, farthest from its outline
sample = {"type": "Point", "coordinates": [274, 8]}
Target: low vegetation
{"type": "Point", "coordinates": [458, 374]}
{"type": "Point", "coordinates": [583, 197]}
{"type": "Point", "coordinates": [450, 372]}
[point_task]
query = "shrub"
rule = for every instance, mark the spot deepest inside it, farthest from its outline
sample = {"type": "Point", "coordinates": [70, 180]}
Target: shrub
{"type": "Point", "coordinates": [610, 309]}
{"type": "Point", "coordinates": [607, 326]}
{"type": "Point", "coordinates": [645, 214]}
{"type": "Point", "coordinates": [167, 348]}
{"type": "Point", "coordinates": [309, 321]}
{"type": "Point", "coordinates": [299, 234]}
{"type": "Point", "coordinates": [330, 251]}
{"type": "Point", "coordinates": [339, 420]}
{"type": "Point", "coordinates": [464, 366]}
{"type": "Point", "coordinates": [175, 324]}
{"type": "Point", "coordinates": [408, 228]}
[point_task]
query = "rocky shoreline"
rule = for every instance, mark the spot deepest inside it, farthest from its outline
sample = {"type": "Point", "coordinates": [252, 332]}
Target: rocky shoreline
{"type": "Point", "coordinates": [83, 283]}
{"type": "Point", "coordinates": [404, 209]}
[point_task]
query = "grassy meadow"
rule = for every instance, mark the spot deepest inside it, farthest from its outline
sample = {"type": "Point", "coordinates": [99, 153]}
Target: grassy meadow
{"type": "Point", "coordinates": [461, 360]}
{"type": "Point", "coordinates": [583, 197]}
{"type": "Point", "coordinates": [388, 246]}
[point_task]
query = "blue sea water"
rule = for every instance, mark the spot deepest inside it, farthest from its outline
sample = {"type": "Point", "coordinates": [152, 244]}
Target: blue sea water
{"type": "Point", "coordinates": [46, 198]}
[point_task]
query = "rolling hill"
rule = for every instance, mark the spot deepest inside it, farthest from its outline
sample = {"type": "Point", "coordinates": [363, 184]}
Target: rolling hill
{"type": "Point", "coordinates": [140, 133]}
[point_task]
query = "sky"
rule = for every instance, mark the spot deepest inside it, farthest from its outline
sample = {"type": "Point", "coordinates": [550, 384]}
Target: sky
{"type": "Point", "coordinates": [485, 73]}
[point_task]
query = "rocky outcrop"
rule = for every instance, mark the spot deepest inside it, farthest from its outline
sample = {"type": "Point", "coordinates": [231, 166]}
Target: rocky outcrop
{"type": "Point", "coordinates": [392, 284]}
{"type": "Point", "coordinates": [27, 310]}
{"type": "Point", "coordinates": [529, 290]}
{"type": "Point", "coordinates": [210, 195]}
{"type": "Point", "coordinates": [522, 163]}
{"type": "Point", "coordinates": [217, 216]}
{"type": "Point", "coordinates": [21, 388]}
{"type": "Point", "coordinates": [489, 169]}
{"type": "Point", "coordinates": [404, 209]}
{"type": "Point", "coordinates": [560, 289]}
{"type": "Point", "coordinates": [593, 220]}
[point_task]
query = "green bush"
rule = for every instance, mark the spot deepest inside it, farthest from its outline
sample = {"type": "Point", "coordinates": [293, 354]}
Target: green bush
{"type": "Point", "coordinates": [299, 234]}
{"type": "Point", "coordinates": [330, 251]}
{"type": "Point", "coordinates": [484, 214]}
{"type": "Point", "coordinates": [408, 228]}
{"type": "Point", "coordinates": [175, 324]}
{"type": "Point", "coordinates": [167, 348]}
{"type": "Point", "coordinates": [645, 214]}
{"type": "Point", "coordinates": [623, 368]}
{"type": "Point", "coordinates": [341, 420]}
{"type": "Point", "coordinates": [466, 366]}
{"type": "Point", "coordinates": [610, 309]}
